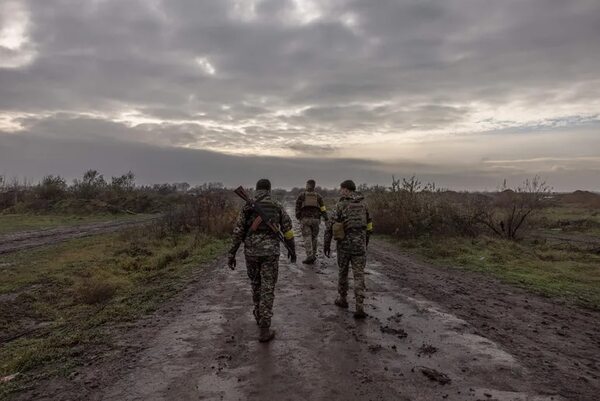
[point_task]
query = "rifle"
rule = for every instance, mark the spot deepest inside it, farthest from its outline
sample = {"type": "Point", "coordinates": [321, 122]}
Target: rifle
{"type": "Point", "coordinates": [241, 192]}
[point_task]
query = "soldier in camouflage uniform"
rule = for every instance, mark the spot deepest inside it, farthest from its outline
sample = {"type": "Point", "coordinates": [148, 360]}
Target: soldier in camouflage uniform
{"type": "Point", "coordinates": [261, 249]}
{"type": "Point", "coordinates": [353, 228]}
{"type": "Point", "coordinates": [310, 208]}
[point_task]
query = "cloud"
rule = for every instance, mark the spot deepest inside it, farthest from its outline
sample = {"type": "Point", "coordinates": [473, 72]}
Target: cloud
{"type": "Point", "coordinates": [295, 77]}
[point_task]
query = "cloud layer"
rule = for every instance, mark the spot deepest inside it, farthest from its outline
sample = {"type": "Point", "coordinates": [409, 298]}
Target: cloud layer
{"type": "Point", "coordinates": [380, 80]}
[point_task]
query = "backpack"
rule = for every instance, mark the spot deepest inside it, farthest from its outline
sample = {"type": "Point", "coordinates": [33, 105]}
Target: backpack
{"type": "Point", "coordinates": [355, 216]}
{"type": "Point", "coordinates": [272, 211]}
{"type": "Point", "coordinates": [310, 200]}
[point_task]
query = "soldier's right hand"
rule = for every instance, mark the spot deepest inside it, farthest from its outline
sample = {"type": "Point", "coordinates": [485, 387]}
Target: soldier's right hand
{"type": "Point", "coordinates": [327, 251]}
{"type": "Point", "coordinates": [231, 262]}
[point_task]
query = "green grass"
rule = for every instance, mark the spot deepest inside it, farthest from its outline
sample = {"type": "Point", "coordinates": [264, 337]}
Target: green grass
{"type": "Point", "coordinates": [562, 271]}
{"type": "Point", "coordinates": [58, 304]}
{"type": "Point", "coordinates": [11, 223]}
{"type": "Point", "coordinates": [573, 219]}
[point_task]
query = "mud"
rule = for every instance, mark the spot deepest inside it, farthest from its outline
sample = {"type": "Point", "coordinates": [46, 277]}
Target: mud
{"type": "Point", "coordinates": [203, 345]}
{"type": "Point", "coordinates": [32, 239]}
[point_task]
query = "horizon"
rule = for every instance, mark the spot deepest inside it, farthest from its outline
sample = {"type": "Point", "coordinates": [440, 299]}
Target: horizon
{"type": "Point", "coordinates": [460, 93]}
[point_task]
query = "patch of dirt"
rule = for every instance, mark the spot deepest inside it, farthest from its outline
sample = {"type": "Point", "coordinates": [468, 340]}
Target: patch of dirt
{"type": "Point", "coordinates": [557, 342]}
{"type": "Point", "coordinates": [396, 332]}
{"type": "Point", "coordinates": [426, 350]}
{"type": "Point", "coordinates": [32, 239]}
{"type": "Point", "coordinates": [435, 375]}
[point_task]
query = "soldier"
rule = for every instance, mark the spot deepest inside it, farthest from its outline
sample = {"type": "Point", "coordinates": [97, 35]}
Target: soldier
{"type": "Point", "coordinates": [261, 249]}
{"type": "Point", "coordinates": [351, 227]}
{"type": "Point", "coordinates": [309, 210]}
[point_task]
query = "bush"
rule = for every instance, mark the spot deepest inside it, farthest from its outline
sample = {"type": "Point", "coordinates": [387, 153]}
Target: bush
{"type": "Point", "coordinates": [51, 188]}
{"type": "Point", "coordinates": [212, 212]}
{"type": "Point", "coordinates": [410, 209]}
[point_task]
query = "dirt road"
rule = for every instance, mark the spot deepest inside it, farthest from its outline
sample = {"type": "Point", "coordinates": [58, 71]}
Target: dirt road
{"type": "Point", "coordinates": [493, 342]}
{"type": "Point", "coordinates": [31, 239]}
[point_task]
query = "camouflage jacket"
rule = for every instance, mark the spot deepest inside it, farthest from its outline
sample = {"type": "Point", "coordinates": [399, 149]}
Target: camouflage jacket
{"type": "Point", "coordinates": [259, 243]}
{"type": "Point", "coordinates": [355, 240]}
{"type": "Point", "coordinates": [310, 212]}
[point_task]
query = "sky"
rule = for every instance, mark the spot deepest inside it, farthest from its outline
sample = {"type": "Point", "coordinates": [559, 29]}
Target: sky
{"type": "Point", "coordinates": [465, 93]}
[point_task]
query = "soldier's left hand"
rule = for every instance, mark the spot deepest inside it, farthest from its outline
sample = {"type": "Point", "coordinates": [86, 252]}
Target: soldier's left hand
{"type": "Point", "coordinates": [292, 257]}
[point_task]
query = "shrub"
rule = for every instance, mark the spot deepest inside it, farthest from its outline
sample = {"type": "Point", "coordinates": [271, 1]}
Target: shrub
{"type": "Point", "coordinates": [51, 188]}
{"type": "Point", "coordinates": [410, 209]}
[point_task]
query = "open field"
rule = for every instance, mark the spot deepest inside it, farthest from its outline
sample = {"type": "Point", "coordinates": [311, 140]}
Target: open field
{"type": "Point", "coordinates": [147, 313]}
{"type": "Point", "coordinates": [58, 303]}
{"type": "Point", "coordinates": [12, 223]}
{"type": "Point", "coordinates": [563, 270]}
{"type": "Point", "coordinates": [483, 334]}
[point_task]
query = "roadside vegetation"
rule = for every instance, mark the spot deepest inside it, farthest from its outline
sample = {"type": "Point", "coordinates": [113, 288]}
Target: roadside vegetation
{"type": "Point", "coordinates": [527, 235]}
{"type": "Point", "coordinates": [61, 305]}
{"type": "Point", "coordinates": [52, 202]}
{"type": "Point", "coordinates": [12, 223]}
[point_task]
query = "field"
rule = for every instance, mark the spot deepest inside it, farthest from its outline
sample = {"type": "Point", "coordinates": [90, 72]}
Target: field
{"type": "Point", "coordinates": [12, 223]}
{"type": "Point", "coordinates": [562, 270]}
{"type": "Point", "coordinates": [60, 301]}
{"type": "Point", "coordinates": [72, 311]}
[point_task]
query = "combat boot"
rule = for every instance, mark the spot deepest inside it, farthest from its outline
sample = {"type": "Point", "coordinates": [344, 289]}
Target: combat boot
{"type": "Point", "coordinates": [360, 312]}
{"type": "Point", "coordinates": [341, 302]}
{"type": "Point", "coordinates": [256, 315]}
{"type": "Point", "coordinates": [266, 334]}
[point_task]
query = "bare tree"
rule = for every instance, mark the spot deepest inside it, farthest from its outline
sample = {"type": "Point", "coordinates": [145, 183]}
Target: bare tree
{"type": "Point", "coordinates": [510, 209]}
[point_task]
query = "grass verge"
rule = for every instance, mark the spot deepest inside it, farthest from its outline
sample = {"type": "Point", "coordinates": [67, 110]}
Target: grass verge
{"type": "Point", "coordinates": [59, 303]}
{"type": "Point", "coordinates": [564, 271]}
{"type": "Point", "coordinates": [11, 223]}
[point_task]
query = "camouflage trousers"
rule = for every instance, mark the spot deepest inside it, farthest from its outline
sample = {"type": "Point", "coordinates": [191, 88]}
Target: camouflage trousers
{"type": "Point", "coordinates": [263, 271]}
{"type": "Point", "coordinates": [358, 263]}
{"type": "Point", "coordinates": [310, 233]}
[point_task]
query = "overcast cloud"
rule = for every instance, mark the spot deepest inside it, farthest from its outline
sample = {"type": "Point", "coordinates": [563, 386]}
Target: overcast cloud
{"type": "Point", "coordinates": [466, 92]}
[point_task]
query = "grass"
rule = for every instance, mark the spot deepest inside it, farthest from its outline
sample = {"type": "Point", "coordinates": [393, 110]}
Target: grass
{"type": "Point", "coordinates": [60, 303]}
{"type": "Point", "coordinates": [570, 218]}
{"type": "Point", "coordinates": [11, 223]}
{"type": "Point", "coordinates": [563, 271]}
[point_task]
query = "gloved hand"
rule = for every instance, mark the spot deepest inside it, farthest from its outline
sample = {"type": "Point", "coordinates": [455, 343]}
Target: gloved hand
{"type": "Point", "coordinates": [292, 257]}
{"type": "Point", "coordinates": [327, 251]}
{"type": "Point", "coordinates": [231, 262]}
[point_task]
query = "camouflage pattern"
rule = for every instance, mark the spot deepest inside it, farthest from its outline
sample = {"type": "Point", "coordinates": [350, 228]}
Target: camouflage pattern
{"type": "Point", "coordinates": [263, 272]}
{"type": "Point", "coordinates": [261, 249]}
{"type": "Point", "coordinates": [310, 219]}
{"type": "Point", "coordinates": [351, 251]}
{"type": "Point", "coordinates": [355, 240]}
{"type": "Point", "coordinates": [310, 231]}
{"type": "Point", "coordinates": [358, 263]}
{"type": "Point", "coordinates": [310, 212]}
{"type": "Point", "coordinates": [259, 243]}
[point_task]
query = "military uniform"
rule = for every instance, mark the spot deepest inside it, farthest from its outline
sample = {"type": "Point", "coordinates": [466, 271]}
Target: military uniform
{"type": "Point", "coordinates": [352, 212]}
{"type": "Point", "coordinates": [310, 208]}
{"type": "Point", "coordinates": [261, 250]}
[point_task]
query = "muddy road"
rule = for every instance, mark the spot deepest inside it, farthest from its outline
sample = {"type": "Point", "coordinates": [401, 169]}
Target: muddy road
{"type": "Point", "coordinates": [432, 334]}
{"type": "Point", "coordinates": [32, 239]}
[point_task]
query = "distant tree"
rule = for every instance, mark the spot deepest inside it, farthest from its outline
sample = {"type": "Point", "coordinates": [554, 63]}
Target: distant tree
{"type": "Point", "coordinates": [182, 186]}
{"type": "Point", "coordinates": [90, 186]}
{"type": "Point", "coordinates": [512, 208]}
{"type": "Point", "coordinates": [52, 187]}
{"type": "Point", "coordinates": [124, 183]}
